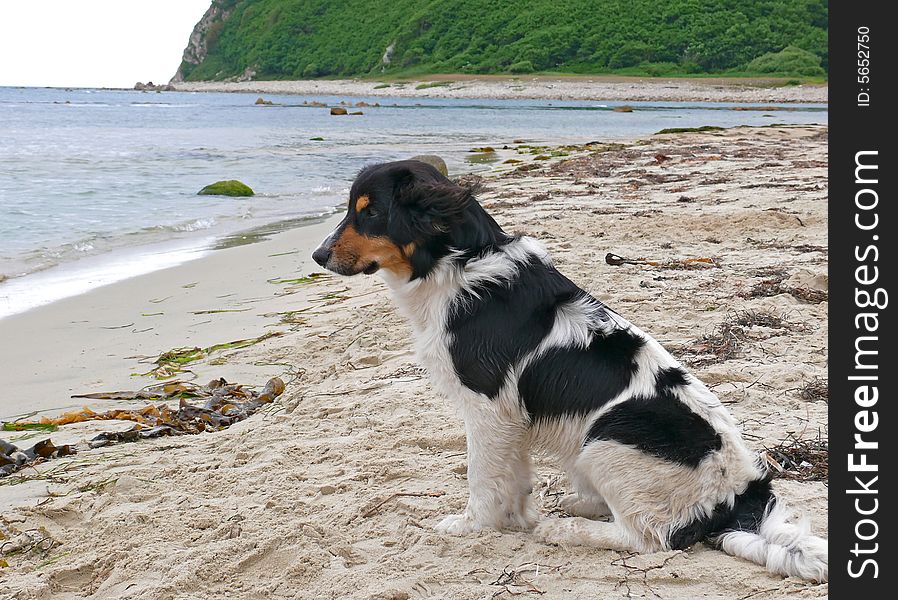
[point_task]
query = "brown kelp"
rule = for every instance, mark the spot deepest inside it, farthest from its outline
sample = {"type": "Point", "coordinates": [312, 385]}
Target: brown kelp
{"type": "Point", "coordinates": [223, 405]}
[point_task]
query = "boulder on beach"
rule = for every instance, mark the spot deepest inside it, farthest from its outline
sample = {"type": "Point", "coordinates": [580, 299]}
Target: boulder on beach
{"type": "Point", "coordinates": [261, 100]}
{"type": "Point", "coordinates": [433, 160]}
{"type": "Point", "coordinates": [625, 108]}
{"type": "Point", "coordinates": [339, 111]}
{"type": "Point", "coordinates": [229, 187]}
{"type": "Point", "coordinates": [358, 112]}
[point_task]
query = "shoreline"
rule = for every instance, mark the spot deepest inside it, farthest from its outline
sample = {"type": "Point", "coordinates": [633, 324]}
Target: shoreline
{"type": "Point", "coordinates": [609, 88]}
{"type": "Point", "coordinates": [339, 485]}
{"type": "Point", "coordinates": [82, 343]}
{"type": "Point", "coordinates": [73, 277]}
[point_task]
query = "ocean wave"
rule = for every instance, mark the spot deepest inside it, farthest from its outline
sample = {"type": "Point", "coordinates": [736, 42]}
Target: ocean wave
{"type": "Point", "coordinates": [197, 225]}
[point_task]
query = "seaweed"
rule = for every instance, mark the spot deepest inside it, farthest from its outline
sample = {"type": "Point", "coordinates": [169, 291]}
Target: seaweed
{"type": "Point", "coordinates": [726, 340]}
{"type": "Point", "coordinates": [13, 458]}
{"type": "Point", "coordinates": [799, 459]}
{"type": "Point", "coordinates": [28, 427]}
{"type": "Point", "coordinates": [701, 129]}
{"type": "Point", "coordinates": [776, 286]}
{"type": "Point", "coordinates": [172, 362]}
{"type": "Point", "coordinates": [682, 263]}
{"type": "Point", "coordinates": [224, 404]}
{"type": "Point", "coordinates": [310, 278]}
{"type": "Point", "coordinates": [815, 390]}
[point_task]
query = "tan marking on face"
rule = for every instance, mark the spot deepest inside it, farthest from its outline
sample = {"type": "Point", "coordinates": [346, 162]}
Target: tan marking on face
{"type": "Point", "coordinates": [356, 251]}
{"type": "Point", "coordinates": [361, 203]}
{"type": "Point", "coordinates": [408, 249]}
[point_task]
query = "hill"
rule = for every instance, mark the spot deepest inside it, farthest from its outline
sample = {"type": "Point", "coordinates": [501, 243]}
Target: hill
{"type": "Point", "coordinates": [293, 39]}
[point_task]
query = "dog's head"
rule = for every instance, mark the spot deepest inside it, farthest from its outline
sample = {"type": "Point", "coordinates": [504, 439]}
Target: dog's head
{"type": "Point", "coordinates": [402, 217]}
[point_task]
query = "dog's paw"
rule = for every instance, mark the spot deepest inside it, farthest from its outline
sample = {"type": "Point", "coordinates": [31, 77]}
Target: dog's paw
{"type": "Point", "coordinates": [458, 525]}
{"type": "Point", "coordinates": [555, 531]}
{"type": "Point", "coordinates": [584, 506]}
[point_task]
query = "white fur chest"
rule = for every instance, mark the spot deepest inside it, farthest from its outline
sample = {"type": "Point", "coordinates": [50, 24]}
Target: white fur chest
{"type": "Point", "coordinates": [426, 304]}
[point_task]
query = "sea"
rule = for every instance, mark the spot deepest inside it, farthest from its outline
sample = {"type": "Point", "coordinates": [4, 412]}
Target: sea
{"type": "Point", "coordinates": [100, 185]}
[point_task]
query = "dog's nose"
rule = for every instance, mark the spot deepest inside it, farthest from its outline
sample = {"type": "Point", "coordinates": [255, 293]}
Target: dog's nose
{"type": "Point", "coordinates": [321, 256]}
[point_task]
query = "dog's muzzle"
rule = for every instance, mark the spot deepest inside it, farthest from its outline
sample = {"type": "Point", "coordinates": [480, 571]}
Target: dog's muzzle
{"type": "Point", "coordinates": [322, 255]}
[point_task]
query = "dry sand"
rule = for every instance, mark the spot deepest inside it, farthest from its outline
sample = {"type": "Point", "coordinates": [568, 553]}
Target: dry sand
{"type": "Point", "coordinates": [334, 492]}
{"type": "Point", "coordinates": [627, 89]}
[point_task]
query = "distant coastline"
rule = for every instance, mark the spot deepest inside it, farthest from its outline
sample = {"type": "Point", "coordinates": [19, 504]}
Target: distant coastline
{"type": "Point", "coordinates": [599, 87]}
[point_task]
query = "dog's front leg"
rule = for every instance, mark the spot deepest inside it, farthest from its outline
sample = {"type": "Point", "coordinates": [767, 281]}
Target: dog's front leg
{"type": "Point", "coordinates": [500, 476]}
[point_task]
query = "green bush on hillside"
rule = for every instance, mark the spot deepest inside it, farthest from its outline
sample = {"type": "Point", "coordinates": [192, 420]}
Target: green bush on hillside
{"type": "Point", "coordinates": [788, 61]}
{"type": "Point", "coordinates": [320, 38]}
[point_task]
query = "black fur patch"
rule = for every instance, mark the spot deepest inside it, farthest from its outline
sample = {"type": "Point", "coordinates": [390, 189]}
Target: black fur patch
{"type": "Point", "coordinates": [672, 377]}
{"type": "Point", "coordinates": [745, 515]}
{"type": "Point", "coordinates": [574, 381]}
{"type": "Point", "coordinates": [660, 425]}
{"type": "Point", "coordinates": [508, 320]}
{"type": "Point", "coordinates": [412, 204]}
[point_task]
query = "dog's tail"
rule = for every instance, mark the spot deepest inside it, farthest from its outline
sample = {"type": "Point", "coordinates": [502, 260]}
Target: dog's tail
{"type": "Point", "coordinates": [783, 547]}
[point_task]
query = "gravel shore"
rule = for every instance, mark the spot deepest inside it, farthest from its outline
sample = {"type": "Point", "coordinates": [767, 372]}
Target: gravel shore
{"type": "Point", "coordinates": [575, 88]}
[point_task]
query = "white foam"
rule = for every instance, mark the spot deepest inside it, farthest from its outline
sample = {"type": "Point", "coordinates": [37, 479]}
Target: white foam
{"type": "Point", "coordinates": [20, 294]}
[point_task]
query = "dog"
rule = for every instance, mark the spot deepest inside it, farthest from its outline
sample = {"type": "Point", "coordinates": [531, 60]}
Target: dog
{"type": "Point", "coordinates": [535, 363]}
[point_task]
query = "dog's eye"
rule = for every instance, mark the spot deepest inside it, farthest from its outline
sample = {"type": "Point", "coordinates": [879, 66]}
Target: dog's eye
{"type": "Point", "coordinates": [372, 212]}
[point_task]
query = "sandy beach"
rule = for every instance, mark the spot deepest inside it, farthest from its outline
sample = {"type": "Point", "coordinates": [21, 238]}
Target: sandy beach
{"type": "Point", "coordinates": [613, 88]}
{"type": "Point", "coordinates": [333, 492]}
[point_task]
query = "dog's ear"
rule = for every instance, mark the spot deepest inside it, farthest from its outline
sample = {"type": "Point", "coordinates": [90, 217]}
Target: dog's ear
{"type": "Point", "coordinates": [434, 206]}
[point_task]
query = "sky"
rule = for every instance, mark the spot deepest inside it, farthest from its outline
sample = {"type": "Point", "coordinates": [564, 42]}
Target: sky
{"type": "Point", "coordinates": [94, 43]}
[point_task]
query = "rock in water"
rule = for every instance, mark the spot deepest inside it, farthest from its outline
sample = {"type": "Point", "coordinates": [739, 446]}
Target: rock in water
{"type": "Point", "coordinates": [230, 187]}
{"type": "Point", "coordinates": [339, 111]}
{"type": "Point", "coordinates": [434, 161]}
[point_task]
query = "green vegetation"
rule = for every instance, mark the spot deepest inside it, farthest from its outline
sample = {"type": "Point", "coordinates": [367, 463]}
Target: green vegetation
{"type": "Point", "coordinates": [12, 426]}
{"type": "Point", "coordinates": [291, 39]}
{"type": "Point", "coordinates": [230, 187]}
{"type": "Point", "coordinates": [701, 129]}
{"type": "Point", "coordinates": [790, 61]}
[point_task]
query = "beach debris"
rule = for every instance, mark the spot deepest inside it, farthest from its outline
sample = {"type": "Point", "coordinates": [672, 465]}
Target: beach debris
{"type": "Point", "coordinates": [28, 427]}
{"type": "Point", "coordinates": [228, 187]}
{"type": "Point", "coordinates": [725, 342]}
{"type": "Point", "coordinates": [815, 390]}
{"type": "Point", "coordinates": [779, 284]}
{"type": "Point", "coordinates": [170, 363]}
{"type": "Point", "coordinates": [336, 110]}
{"type": "Point", "coordinates": [683, 263]}
{"type": "Point", "coordinates": [223, 405]}
{"type": "Point", "coordinates": [516, 581]}
{"type": "Point", "coordinates": [310, 278]}
{"type": "Point", "coordinates": [434, 161]}
{"type": "Point", "coordinates": [261, 100]}
{"type": "Point", "coordinates": [13, 458]}
{"type": "Point", "coordinates": [799, 459]}
{"type": "Point", "coordinates": [626, 108]}
{"type": "Point", "coordinates": [379, 503]}
{"type": "Point", "coordinates": [702, 129]}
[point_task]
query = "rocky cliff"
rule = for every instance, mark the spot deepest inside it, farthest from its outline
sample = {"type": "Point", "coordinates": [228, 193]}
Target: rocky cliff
{"type": "Point", "coordinates": [204, 34]}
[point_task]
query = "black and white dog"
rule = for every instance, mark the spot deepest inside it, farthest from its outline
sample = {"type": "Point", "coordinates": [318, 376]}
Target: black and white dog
{"type": "Point", "coordinates": [537, 364]}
